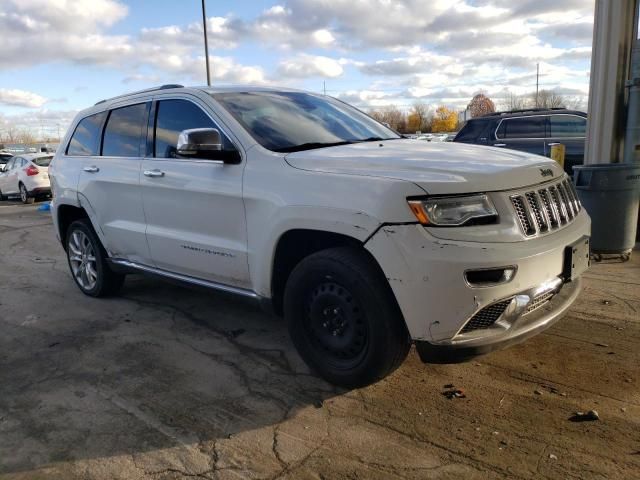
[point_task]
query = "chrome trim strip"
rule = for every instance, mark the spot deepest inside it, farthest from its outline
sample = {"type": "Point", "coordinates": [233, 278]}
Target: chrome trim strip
{"type": "Point", "coordinates": [187, 279]}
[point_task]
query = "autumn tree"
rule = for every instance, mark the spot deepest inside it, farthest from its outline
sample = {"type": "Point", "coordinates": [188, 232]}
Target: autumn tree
{"type": "Point", "coordinates": [421, 117]}
{"type": "Point", "coordinates": [481, 105]}
{"type": "Point", "coordinates": [444, 120]}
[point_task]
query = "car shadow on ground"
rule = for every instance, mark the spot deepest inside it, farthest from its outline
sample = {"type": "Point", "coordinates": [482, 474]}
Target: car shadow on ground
{"type": "Point", "coordinates": [159, 367]}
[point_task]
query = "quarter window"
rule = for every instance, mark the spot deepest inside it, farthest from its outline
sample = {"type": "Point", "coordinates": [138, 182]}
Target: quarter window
{"type": "Point", "coordinates": [125, 131]}
{"type": "Point", "coordinates": [525, 127]}
{"type": "Point", "coordinates": [172, 117]}
{"type": "Point", "coordinates": [86, 137]}
{"type": "Point", "coordinates": [568, 126]}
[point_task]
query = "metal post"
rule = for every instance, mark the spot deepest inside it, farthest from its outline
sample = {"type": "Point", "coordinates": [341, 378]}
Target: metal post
{"type": "Point", "coordinates": [206, 43]}
{"type": "Point", "coordinates": [612, 43]}
{"type": "Point", "coordinates": [632, 137]}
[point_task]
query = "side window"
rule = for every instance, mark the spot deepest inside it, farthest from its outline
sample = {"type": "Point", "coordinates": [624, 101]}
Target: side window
{"type": "Point", "coordinates": [525, 127]}
{"type": "Point", "coordinates": [568, 126]}
{"type": "Point", "coordinates": [125, 131]}
{"type": "Point", "coordinates": [86, 137]}
{"type": "Point", "coordinates": [9, 164]}
{"type": "Point", "coordinates": [173, 116]}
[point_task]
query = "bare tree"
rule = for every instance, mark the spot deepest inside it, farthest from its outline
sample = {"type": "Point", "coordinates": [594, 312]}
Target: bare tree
{"type": "Point", "coordinates": [392, 116]}
{"type": "Point", "coordinates": [514, 102]}
{"type": "Point", "coordinates": [548, 99]}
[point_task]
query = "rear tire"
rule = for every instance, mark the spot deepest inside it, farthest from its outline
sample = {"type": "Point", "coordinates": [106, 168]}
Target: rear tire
{"type": "Point", "coordinates": [87, 261]}
{"type": "Point", "coordinates": [343, 318]}
{"type": "Point", "coordinates": [2, 197]}
{"type": "Point", "coordinates": [24, 195]}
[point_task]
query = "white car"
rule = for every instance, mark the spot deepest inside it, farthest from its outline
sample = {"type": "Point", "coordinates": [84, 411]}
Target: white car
{"type": "Point", "coordinates": [26, 176]}
{"type": "Point", "coordinates": [363, 240]}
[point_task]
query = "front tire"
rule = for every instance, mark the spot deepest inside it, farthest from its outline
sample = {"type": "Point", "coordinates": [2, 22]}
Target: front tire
{"type": "Point", "coordinates": [24, 195]}
{"type": "Point", "coordinates": [343, 318]}
{"type": "Point", "coordinates": [87, 261]}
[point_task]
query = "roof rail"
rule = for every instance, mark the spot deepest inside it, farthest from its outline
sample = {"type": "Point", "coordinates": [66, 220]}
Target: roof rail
{"type": "Point", "coordinates": [161, 87]}
{"type": "Point", "coordinates": [523, 110]}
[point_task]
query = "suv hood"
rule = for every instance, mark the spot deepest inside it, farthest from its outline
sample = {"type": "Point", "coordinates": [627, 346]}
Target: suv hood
{"type": "Point", "coordinates": [439, 168]}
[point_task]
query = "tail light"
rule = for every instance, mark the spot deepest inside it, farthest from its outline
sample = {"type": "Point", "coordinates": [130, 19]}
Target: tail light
{"type": "Point", "coordinates": [31, 170]}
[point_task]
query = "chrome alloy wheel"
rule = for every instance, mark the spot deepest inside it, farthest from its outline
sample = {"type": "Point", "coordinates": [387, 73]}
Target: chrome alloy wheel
{"type": "Point", "coordinates": [82, 259]}
{"type": "Point", "coordinates": [24, 196]}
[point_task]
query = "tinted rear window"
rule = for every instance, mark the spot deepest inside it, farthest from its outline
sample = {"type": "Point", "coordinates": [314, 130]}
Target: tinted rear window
{"type": "Point", "coordinates": [42, 161]}
{"type": "Point", "coordinates": [568, 126]}
{"type": "Point", "coordinates": [472, 131]}
{"type": "Point", "coordinates": [86, 138]}
{"type": "Point", "coordinates": [125, 131]}
{"type": "Point", "coordinates": [525, 127]}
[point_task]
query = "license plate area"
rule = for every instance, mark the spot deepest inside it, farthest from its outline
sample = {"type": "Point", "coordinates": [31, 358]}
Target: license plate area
{"type": "Point", "coordinates": [576, 259]}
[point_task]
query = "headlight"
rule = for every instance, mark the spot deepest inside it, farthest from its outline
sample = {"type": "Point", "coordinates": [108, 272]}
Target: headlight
{"type": "Point", "coordinates": [454, 211]}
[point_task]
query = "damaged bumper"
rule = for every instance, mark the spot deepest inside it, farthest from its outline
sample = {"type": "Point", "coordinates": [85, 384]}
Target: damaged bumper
{"type": "Point", "coordinates": [510, 329]}
{"type": "Point", "coordinates": [449, 317]}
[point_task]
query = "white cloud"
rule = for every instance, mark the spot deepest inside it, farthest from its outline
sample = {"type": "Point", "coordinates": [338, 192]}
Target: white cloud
{"type": "Point", "coordinates": [21, 98]}
{"type": "Point", "coordinates": [305, 65]}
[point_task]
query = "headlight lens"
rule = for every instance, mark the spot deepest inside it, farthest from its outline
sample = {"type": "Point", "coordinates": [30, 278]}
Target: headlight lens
{"type": "Point", "coordinates": [454, 211]}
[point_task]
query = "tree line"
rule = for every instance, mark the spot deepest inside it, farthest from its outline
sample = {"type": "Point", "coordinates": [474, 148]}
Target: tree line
{"type": "Point", "coordinates": [421, 118]}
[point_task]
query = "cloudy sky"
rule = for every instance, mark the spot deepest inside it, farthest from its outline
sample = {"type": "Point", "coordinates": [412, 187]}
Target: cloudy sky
{"type": "Point", "coordinates": [59, 56]}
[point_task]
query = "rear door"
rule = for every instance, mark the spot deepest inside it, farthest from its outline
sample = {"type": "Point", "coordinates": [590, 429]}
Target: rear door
{"type": "Point", "coordinates": [194, 207]}
{"type": "Point", "coordinates": [570, 130]}
{"type": "Point", "coordinates": [12, 178]}
{"type": "Point", "coordinates": [109, 183]}
{"type": "Point", "coordinates": [527, 134]}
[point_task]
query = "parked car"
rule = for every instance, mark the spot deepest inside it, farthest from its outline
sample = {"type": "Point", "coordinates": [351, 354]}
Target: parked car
{"type": "Point", "coordinates": [26, 176]}
{"type": "Point", "coordinates": [365, 241]}
{"type": "Point", "coordinates": [532, 131]}
{"type": "Point", "coordinates": [4, 158]}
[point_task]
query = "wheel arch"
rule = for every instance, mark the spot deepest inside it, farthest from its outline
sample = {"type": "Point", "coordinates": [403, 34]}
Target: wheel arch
{"type": "Point", "coordinates": [66, 215]}
{"type": "Point", "coordinates": [296, 244]}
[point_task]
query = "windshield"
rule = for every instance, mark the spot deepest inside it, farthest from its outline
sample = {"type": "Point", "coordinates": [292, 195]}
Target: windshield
{"type": "Point", "coordinates": [42, 161]}
{"type": "Point", "coordinates": [294, 121]}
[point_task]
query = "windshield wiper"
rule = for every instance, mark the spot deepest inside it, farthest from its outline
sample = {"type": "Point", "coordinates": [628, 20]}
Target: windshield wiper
{"type": "Point", "coordinates": [310, 146]}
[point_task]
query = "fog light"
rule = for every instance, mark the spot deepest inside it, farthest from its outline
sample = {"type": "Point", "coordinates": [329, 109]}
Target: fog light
{"type": "Point", "coordinates": [489, 277]}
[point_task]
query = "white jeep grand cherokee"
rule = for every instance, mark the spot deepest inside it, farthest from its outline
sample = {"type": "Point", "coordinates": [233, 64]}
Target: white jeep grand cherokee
{"type": "Point", "coordinates": [363, 240]}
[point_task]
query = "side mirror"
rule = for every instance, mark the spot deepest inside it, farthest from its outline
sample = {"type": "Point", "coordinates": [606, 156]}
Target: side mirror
{"type": "Point", "coordinates": [205, 143]}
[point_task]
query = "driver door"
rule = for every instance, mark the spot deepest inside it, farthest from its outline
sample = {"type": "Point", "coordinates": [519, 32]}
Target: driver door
{"type": "Point", "coordinates": [193, 207]}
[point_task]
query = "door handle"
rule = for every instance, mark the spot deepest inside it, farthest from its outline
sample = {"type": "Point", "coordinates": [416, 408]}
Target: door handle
{"type": "Point", "coordinates": [499, 144]}
{"type": "Point", "coordinates": [91, 169]}
{"type": "Point", "coordinates": [153, 173]}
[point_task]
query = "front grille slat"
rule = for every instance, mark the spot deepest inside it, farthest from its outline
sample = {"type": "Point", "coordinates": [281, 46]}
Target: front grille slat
{"type": "Point", "coordinates": [552, 213]}
{"type": "Point", "coordinates": [486, 317]}
{"type": "Point", "coordinates": [546, 209]}
{"type": "Point", "coordinates": [564, 198]}
{"type": "Point", "coordinates": [536, 210]}
{"type": "Point", "coordinates": [523, 215]}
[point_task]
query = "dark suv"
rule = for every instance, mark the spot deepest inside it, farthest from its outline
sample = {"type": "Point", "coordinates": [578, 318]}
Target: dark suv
{"type": "Point", "coordinates": [532, 131]}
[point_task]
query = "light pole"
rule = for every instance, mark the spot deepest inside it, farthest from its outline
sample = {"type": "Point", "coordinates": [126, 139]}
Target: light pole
{"type": "Point", "coordinates": [206, 43]}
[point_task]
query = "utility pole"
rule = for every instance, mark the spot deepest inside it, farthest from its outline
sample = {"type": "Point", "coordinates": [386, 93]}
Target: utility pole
{"type": "Point", "coordinates": [206, 43]}
{"type": "Point", "coordinates": [537, 81]}
{"type": "Point", "coordinates": [324, 87]}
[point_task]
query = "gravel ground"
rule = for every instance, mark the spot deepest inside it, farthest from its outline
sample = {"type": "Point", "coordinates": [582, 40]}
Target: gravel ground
{"type": "Point", "coordinates": [167, 382]}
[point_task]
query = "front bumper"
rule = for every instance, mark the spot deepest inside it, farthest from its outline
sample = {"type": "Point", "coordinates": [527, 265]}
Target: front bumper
{"type": "Point", "coordinates": [524, 327]}
{"type": "Point", "coordinates": [427, 276]}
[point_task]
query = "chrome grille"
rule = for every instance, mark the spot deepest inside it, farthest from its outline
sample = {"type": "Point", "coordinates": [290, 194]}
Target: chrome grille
{"type": "Point", "coordinates": [539, 301]}
{"type": "Point", "coordinates": [546, 209]}
{"type": "Point", "coordinates": [486, 317]}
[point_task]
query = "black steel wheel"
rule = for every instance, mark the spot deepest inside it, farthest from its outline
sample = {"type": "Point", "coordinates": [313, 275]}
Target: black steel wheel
{"type": "Point", "coordinates": [343, 317]}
